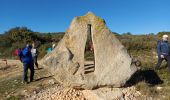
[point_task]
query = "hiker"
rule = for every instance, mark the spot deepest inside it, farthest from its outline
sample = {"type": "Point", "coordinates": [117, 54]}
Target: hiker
{"type": "Point", "coordinates": [28, 63]}
{"type": "Point", "coordinates": [163, 51]}
{"type": "Point", "coordinates": [53, 46]}
{"type": "Point", "coordinates": [49, 50]}
{"type": "Point", "coordinates": [16, 53]}
{"type": "Point", "coordinates": [35, 53]}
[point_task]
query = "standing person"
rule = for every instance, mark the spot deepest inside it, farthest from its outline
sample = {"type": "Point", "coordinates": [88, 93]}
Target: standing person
{"type": "Point", "coordinates": [163, 51]}
{"type": "Point", "coordinates": [35, 53]}
{"type": "Point", "coordinates": [28, 63]}
{"type": "Point", "coordinates": [53, 46]}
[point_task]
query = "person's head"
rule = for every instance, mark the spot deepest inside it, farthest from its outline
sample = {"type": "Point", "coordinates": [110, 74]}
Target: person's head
{"type": "Point", "coordinates": [33, 44]}
{"type": "Point", "coordinates": [53, 46]}
{"type": "Point", "coordinates": [29, 46]}
{"type": "Point", "coordinates": [165, 37]}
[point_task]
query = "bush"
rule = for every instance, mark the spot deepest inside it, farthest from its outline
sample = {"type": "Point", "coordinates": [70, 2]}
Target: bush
{"type": "Point", "coordinates": [43, 50]}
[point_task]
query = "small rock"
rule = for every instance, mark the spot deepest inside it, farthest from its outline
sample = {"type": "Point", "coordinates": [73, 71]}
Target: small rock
{"type": "Point", "coordinates": [8, 96]}
{"type": "Point", "coordinates": [6, 93]}
{"type": "Point", "coordinates": [159, 88]}
{"type": "Point", "coordinates": [51, 82]}
{"type": "Point", "coordinates": [15, 80]}
{"type": "Point", "coordinates": [35, 92]}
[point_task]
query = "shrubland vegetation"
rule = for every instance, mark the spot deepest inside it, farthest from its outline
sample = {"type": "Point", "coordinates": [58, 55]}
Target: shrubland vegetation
{"type": "Point", "coordinates": [142, 47]}
{"type": "Point", "coordinates": [20, 36]}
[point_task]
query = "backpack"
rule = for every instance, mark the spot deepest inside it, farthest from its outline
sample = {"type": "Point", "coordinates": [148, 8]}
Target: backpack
{"type": "Point", "coordinates": [20, 54]}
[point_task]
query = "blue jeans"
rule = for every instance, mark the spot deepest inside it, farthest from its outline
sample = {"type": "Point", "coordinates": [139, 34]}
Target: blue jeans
{"type": "Point", "coordinates": [26, 67]}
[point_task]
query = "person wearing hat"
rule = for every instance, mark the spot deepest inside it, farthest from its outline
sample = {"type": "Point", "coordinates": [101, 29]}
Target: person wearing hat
{"type": "Point", "coordinates": [163, 51]}
{"type": "Point", "coordinates": [28, 63]}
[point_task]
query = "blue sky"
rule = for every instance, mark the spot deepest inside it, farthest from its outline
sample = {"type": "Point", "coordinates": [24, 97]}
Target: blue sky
{"type": "Point", "coordinates": [135, 16]}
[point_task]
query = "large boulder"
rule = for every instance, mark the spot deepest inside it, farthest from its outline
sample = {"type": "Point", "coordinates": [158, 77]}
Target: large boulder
{"type": "Point", "coordinates": [113, 65]}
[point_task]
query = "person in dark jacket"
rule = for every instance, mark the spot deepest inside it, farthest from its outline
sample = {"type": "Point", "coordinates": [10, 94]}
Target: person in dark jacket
{"type": "Point", "coordinates": [163, 50]}
{"type": "Point", "coordinates": [28, 63]}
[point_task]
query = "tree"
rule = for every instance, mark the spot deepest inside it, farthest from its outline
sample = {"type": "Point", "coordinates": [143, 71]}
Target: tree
{"type": "Point", "coordinates": [21, 34]}
{"type": "Point", "coordinates": [128, 33]}
{"type": "Point", "coordinates": [160, 34]}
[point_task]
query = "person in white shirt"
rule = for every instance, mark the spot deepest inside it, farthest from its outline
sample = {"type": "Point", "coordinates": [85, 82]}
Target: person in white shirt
{"type": "Point", "coordinates": [35, 53]}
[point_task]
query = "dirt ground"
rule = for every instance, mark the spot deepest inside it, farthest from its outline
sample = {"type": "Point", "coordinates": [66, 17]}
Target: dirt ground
{"type": "Point", "coordinates": [11, 80]}
{"type": "Point", "coordinates": [45, 87]}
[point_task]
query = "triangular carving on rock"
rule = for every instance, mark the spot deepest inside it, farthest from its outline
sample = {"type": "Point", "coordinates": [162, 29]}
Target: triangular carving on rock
{"type": "Point", "coordinates": [113, 65]}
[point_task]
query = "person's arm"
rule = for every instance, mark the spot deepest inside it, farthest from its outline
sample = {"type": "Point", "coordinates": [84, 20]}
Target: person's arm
{"type": "Point", "coordinates": [169, 49]}
{"type": "Point", "coordinates": [159, 48]}
{"type": "Point", "coordinates": [37, 51]}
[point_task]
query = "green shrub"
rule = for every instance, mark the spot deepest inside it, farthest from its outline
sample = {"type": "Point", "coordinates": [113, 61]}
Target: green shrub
{"type": "Point", "coordinates": [43, 49]}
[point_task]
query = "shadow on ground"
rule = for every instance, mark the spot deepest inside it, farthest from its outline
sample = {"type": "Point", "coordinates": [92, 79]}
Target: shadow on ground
{"type": "Point", "coordinates": [39, 69]}
{"type": "Point", "coordinates": [43, 78]}
{"type": "Point", "coordinates": [148, 76]}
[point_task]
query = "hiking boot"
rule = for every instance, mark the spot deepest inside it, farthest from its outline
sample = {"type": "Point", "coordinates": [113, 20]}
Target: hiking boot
{"type": "Point", "coordinates": [31, 80]}
{"type": "Point", "coordinates": [25, 82]}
